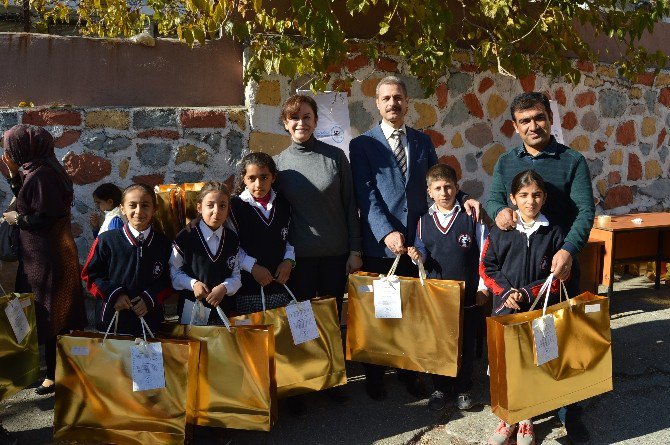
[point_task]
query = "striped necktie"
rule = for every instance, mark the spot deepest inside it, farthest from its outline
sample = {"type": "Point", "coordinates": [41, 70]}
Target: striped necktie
{"type": "Point", "coordinates": [399, 152]}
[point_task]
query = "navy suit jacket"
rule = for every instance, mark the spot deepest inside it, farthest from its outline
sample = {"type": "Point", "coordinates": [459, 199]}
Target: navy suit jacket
{"type": "Point", "coordinates": [386, 202]}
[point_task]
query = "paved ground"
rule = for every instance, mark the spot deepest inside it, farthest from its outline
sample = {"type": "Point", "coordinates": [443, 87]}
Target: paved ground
{"type": "Point", "coordinates": [636, 412]}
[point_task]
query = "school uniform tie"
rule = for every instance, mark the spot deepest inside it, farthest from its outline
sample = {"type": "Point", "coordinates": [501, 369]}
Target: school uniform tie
{"type": "Point", "coordinates": [399, 153]}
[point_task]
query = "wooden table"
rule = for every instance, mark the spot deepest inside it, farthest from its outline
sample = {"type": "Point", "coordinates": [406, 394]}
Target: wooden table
{"type": "Point", "coordinates": [627, 241]}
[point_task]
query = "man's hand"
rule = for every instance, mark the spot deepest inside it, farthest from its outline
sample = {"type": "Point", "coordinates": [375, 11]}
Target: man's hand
{"type": "Point", "coordinates": [473, 208]}
{"type": "Point", "coordinates": [216, 295]}
{"type": "Point", "coordinates": [354, 263]}
{"type": "Point", "coordinates": [561, 264]}
{"type": "Point", "coordinates": [482, 297]}
{"type": "Point", "coordinates": [414, 254]}
{"type": "Point", "coordinates": [200, 290]}
{"type": "Point", "coordinates": [395, 241]}
{"type": "Point", "coordinates": [139, 307]}
{"type": "Point", "coordinates": [513, 299]}
{"type": "Point", "coordinates": [122, 303]}
{"type": "Point", "coordinates": [506, 219]}
{"type": "Point", "coordinates": [283, 271]}
{"type": "Point", "coordinates": [261, 274]}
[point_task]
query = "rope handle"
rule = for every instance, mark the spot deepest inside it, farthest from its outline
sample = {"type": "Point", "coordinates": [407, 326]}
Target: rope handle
{"type": "Point", "coordinates": [223, 317]}
{"type": "Point", "coordinates": [545, 289]}
{"type": "Point", "coordinates": [115, 322]}
{"type": "Point", "coordinates": [287, 290]}
{"type": "Point", "coordinates": [422, 272]}
{"type": "Point", "coordinates": [394, 266]}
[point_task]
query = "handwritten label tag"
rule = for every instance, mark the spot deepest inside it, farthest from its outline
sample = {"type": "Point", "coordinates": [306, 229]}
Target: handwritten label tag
{"type": "Point", "coordinates": [146, 361]}
{"type": "Point", "coordinates": [590, 308]}
{"type": "Point", "coordinates": [302, 322]}
{"type": "Point", "coordinates": [546, 342]}
{"type": "Point", "coordinates": [79, 350]}
{"type": "Point", "coordinates": [246, 322]}
{"type": "Point", "coordinates": [365, 288]}
{"type": "Point", "coordinates": [17, 319]}
{"type": "Point", "coordinates": [387, 298]}
{"type": "Point", "coordinates": [201, 314]}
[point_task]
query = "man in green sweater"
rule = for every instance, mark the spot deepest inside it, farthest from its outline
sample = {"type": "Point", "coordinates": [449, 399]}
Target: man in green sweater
{"type": "Point", "coordinates": [569, 202]}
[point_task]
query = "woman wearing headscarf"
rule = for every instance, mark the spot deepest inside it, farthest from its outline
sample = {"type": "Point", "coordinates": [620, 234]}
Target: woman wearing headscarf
{"type": "Point", "coordinates": [48, 260]}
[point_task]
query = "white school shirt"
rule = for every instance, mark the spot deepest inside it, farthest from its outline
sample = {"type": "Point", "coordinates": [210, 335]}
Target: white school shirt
{"type": "Point", "coordinates": [247, 262]}
{"type": "Point", "coordinates": [181, 280]}
{"type": "Point", "coordinates": [136, 233]}
{"type": "Point", "coordinates": [541, 220]}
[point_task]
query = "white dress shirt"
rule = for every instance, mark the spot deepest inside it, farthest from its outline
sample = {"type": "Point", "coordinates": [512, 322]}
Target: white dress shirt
{"type": "Point", "coordinates": [182, 281]}
{"type": "Point", "coordinates": [540, 220]}
{"type": "Point", "coordinates": [136, 233]}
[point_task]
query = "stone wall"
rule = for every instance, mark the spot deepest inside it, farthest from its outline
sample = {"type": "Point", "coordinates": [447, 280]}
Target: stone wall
{"type": "Point", "coordinates": [125, 145]}
{"type": "Point", "coordinates": [621, 127]}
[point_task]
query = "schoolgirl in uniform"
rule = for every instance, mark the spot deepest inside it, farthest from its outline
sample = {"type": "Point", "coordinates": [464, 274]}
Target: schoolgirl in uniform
{"type": "Point", "coordinates": [128, 267]}
{"type": "Point", "coordinates": [107, 198]}
{"type": "Point", "coordinates": [514, 266]}
{"type": "Point", "coordinates": [262, 219]}
{"type": "Point", "coordinates": [204, 264]}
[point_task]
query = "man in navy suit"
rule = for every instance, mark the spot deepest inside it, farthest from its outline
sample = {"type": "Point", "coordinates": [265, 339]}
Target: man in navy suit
{"type": "Point", "coordinates": [389, 165]}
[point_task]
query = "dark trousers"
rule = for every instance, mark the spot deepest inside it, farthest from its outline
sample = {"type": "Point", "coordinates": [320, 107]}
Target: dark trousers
{"type": "Point", "coordinates": [463, 381]}
{"type": "Point", "coordinates": [375, 373]}
{"type": "Point", "coordinates": [50, 357]}
{"type": "Point", "coordinates": [323, 276]}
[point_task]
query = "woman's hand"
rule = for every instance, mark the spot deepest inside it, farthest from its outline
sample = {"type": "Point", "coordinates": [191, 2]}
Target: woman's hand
{"type": "Point", "coordinates": [216, 295]}
{"type": "Point", "coordinates": [139, 307]}
{"type": "Point", "coordinates": [12, 166]}
{"type": "Point", "coordinates": [261, 274]}
{"type": "Point", "coordinates": [200, 290]}
{"type": "Point", "coordinates": [122, 303]}
{"type": "Point", "coordinates": [354, 263]}
{"type": "Point", "coordinates": [283, 271]}
{"type": "Point", "coordinates": [12, 217]}
{"type": "Point", "coordinates": [513, 299]}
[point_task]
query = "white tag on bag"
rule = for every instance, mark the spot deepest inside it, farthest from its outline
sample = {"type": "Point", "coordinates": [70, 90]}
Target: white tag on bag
{"type": "Point", "coordinates": [17, 319]}
{"type": "Point", "coordinates": [387, 298]}
{"type": "Point", "coordinates": [546, 342]}
{"type": "Point", "coordinates": [302, 322]}
{"type": "Point", "coordinates": [146, 361]}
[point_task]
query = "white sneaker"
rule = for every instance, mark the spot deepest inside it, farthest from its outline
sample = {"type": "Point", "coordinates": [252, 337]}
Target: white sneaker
{"type": "Point", "coordinates": [464, 401]}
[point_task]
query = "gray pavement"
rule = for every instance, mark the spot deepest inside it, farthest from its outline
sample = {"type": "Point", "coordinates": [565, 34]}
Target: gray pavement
{"type": "Point", "coordinates": [636, 412]}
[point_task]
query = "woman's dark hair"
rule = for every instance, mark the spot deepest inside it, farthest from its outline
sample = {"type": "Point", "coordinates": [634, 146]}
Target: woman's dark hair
{"type": "Point", "coordinates": [259, 159]}
{"type": "Point", "coordinates": [525, 178]}
{"type": "Point", "coordinates": [146, 188]}
{"type": "Point", "coordinates": [293, 103]}
{"type": "Point", "coordinates": [213, 186]}
{"type": "Point", "coordinates": [108, 191]}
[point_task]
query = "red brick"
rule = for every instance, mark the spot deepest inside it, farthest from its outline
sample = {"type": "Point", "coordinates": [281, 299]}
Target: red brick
{"type": "Point", "coordinates": [343, 86]}
{"type": "Point", "coordinates": [442, 93]}
{"type": "Point", "coordinates": [162, 134]}
{"type": "Point", "coordinates": [614, 178]}
{"type": "Point", "coordinates": [585, 98]}
{"type": "Point", "coordinates": [664, 97]}
{"type": "Point", "coordinates": [585, 65]}
{"type": "Point", "coordinates": [485, 84]}
{"type": "Point", "coordinates": [152, 180]}
{"type": "Point", "coordinates": [646, 79]}
{"type": "Point", "coordinates": [634, 167]}
{"type": "Point", "coordinates": [661, 137]}
{"type": "Point", "coordinates": [625, 133]}
{"type": "Point", "coordinates": [618, 196]}
{"type": "Point", "coordinates": [86, 168]}
{"type": "Point", "coordinates": [569, 121]}
{"type": "Point", "coordinates": [472, 102]}
{"type": "Point", "coordinates": [386, 64]}
{"type": "Point", "coordinates": [560, 97]}
{"type": "Point", "coordinates": [508, 128]}
{"type": "Point", "coordinates": [356, 63]}
{"type": "Point", "coordinates": [600, 146]}
{"type": "Point", "coordinates": [52, 117]}
{"type": "Point", "coordinates": [436, 137]}
{"type": "Point", "coordinates": [453, 162]}
{"type": "Point", "coordinates": [203, 119]}
{"type": "Point", "coordinates": [528, 83]}
{"type": "Point", "coordinates": [68, 137]}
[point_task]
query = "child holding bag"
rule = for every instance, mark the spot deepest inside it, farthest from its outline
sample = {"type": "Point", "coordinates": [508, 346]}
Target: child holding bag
{"type": "Point", "coordinates": [128, 267]}
{"type": "Point", "coordinates": [262, 219]}
{"type": "Point", "coordinates": [204, 264]}
{"type": "Point", "coordinates": [514, 266]}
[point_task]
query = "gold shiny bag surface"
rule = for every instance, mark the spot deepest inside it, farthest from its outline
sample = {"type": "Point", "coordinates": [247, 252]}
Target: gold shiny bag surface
{"type": "Point", "coordinates": [95, 400]}
{"type": "Point", "coordinates": [427, 338]}
{"type": "Point", "coordinates": [520, 389]}
{"type": "Point", "coordinates": [19, 362]}
{"type": "Point", "coordinates": [311, 366]}
{"type": "Point", "coordinates": [170, 214]}
{"type": "Point", "coordinates": [235, 378]}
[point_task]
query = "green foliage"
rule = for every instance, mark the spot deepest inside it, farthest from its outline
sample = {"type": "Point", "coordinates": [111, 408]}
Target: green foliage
{"type": "Point", "coordinates": [305, 37]}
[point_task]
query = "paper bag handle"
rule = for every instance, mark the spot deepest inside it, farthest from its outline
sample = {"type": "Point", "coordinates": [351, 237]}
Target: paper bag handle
{"type": "Point", "coordinates": [422, 271]}
{"type": "Point", "coordinates": [394, 266]}
{"type": "Point", "coordinates": [223, 317]}
{"type": "Point", "coordinates": [144, 325]}
{"type": "Point", "coordinates": [115, 321]}
{"type": "Point", "coordinates": [545, 289]}
{"type": "Point", "coordinates": [287, 290]}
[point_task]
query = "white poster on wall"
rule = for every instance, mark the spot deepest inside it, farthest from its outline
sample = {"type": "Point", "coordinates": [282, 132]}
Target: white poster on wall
{"type": "Point", "coordinates": [334, 126]}
{"type": "Point", "coordinates": [556, 128]}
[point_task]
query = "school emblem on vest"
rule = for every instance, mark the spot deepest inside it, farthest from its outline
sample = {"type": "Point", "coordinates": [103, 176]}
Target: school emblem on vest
{"type": "Point", "coordinates": [544, 265]}
{"type": "Point", "coordinates": [157, 270]}
{"type": "Point", "coordinates": [284, 233]}
{"type": "Point", "coordinates": [464, 240]}
{"type": "Point", "coordinates": [231, 262]}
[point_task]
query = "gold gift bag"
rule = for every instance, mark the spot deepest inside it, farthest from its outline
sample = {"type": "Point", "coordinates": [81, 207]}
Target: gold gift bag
{"type": "Point", "coordinates": [311, 366]}
{"type": "Point", "coordinates": [191, 192]}
{"type": "Point", "coordinates": [520, 389]}
{"type": "Point", "coordinates": [236, 376]}
{"type": "Point", "coordinates": [19, 361]}
{"type": "Point", "coordinates": [95, 400]}
{"type": "Point", "coordinates": [169, 217]}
